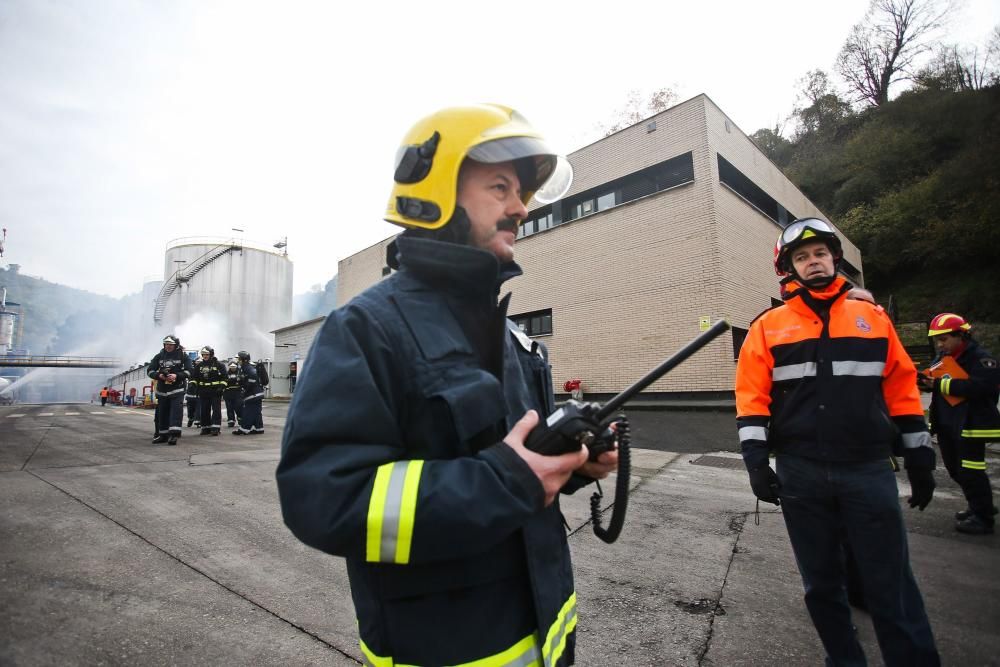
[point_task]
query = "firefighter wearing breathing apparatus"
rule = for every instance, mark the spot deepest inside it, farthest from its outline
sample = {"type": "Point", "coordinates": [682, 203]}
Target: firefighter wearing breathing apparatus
{"type": "Point", "coordinates": [824, 382]}
{"type": "Point", "coordinates": [211, 376]}
{"type": "Point", "coordinates": [964, 416]}
{"type": "Point", "coordinates": [403, 450]}
{"type": "Point", "coordinates": [171, 368]}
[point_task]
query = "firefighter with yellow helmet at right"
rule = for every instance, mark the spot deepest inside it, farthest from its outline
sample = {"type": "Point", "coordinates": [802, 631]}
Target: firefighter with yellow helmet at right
{"type": "Point", "coordinates": [964, 415]}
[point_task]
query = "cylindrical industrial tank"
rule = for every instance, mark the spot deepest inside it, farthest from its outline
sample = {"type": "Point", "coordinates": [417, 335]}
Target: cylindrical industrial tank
{"type": "Point", "coordinates": [227, 293]}
{"type": "Point", "coordinates": [6, 331]}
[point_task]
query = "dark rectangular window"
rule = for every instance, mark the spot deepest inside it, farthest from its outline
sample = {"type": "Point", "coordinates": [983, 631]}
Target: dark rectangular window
{"type": "Point", "coordinates": [739, 335]}
{"type": "Point", "coordinates": [849, 270]}
{"type": "Point", "coordinates": [539, 221]}
{"type": "Point", "coordinates": [537, 323]}
{"type": "Point", "coordinates": [663, 176]}
{"type": "Point", "coordinates": [737, 181]}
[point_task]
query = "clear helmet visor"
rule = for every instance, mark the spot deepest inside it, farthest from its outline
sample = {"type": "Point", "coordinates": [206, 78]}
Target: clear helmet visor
{"type": "Point", "coordinates": [547, 175]}
{"type": "Point", "coordinates": [557, 184]}
{"type": "Point", "coordinates": [798, 229]}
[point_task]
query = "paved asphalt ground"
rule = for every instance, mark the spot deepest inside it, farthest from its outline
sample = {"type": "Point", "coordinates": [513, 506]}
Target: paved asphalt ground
{"type": "Point", "coordinates": [114, 551]}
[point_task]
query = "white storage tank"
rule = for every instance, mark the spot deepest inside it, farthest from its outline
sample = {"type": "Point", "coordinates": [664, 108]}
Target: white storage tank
{"type": "Point", "coordinates": [228, 293]}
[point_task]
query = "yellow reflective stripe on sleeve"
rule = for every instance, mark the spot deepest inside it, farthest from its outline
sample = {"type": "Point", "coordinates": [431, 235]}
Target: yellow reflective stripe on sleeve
{"type": "Point", "coordinates": [376, 508]}
{"type": "Point", "coordinates": [391, 512]}
{"type": "Point", "coordinates": [555, 638]}
{"type": "Point", "coordinates": [407, 511]}
{"type": "Point", "coordinates": [980, 433]}
{"type": "Point", "coordinates": [524, 653]}
{"type": "Point", "coordinates": [974, 465]}
{"type": "Point", "coordinates": [945, 386]}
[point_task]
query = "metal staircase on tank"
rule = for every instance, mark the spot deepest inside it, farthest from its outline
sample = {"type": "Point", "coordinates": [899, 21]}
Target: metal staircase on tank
{"type": "Point", "coordinates": [184, 275]}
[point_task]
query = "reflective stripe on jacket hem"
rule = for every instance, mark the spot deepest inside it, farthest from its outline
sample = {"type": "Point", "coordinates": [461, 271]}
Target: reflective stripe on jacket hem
{"type": "Point", "coordinates": [522, 654]}
{"type": "Point", "coordinates": [555, 638]}
{"type": "Point", "coordinates": [392, 511]}
{"type": "Point", "coordinates": [974, 465]}
{"type": "Point", "coordinates": [991, 433]}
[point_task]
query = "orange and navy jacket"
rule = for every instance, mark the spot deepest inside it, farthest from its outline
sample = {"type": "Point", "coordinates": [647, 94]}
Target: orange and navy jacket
{"type": "Point", "coordinates": [825, 377]}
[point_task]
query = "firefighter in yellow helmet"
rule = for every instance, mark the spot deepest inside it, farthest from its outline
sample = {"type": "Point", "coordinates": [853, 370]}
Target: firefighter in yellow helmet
{"type": "Point", "coordinates": [404, 447]}
{"type": "Point", "coordinates": [964, 416]}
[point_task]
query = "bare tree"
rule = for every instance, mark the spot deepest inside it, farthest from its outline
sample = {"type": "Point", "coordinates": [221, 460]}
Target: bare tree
{"type": "Point", "coordinates": [959, 68]}
{"type": "Point", "coordinates": [637, 108]}
{"type": "Point", "coordinates": [881, 50]}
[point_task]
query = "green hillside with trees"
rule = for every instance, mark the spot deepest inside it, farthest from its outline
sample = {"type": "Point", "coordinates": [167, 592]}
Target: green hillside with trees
{"type": "Point", "coordinates": [55, 319]}
{"type": "Point", "coordinates": [915, 183]}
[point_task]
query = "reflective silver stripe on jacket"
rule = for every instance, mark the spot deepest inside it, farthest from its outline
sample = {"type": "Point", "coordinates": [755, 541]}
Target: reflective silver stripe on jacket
{"type": "Point", "coordinates": [794, 371]}
{"type": "Point", "coordinates": [914, 440]}
{"type": "Point", "coordinates": [808, 369]}
{"type": "Point", "coordinates": [859, 368]}
{"type": "Point", "coordinates": [753, 433]}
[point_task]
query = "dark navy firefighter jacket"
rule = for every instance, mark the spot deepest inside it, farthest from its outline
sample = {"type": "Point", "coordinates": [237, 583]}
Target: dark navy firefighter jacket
{"type": "Point", "coordinates": [392, 458]}
{"type": "Point", "coordinates": [167, 363]}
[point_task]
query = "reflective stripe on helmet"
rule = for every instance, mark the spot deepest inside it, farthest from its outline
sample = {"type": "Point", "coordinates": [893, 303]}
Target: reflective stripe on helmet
{"type": "Point", "coordinates": [947, 323]}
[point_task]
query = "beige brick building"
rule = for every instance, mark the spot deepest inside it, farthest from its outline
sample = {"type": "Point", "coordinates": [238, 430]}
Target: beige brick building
{"type": "Point", "coordinates": [291, 347]}
{"type": "Point", "coordinates": [670, 224]}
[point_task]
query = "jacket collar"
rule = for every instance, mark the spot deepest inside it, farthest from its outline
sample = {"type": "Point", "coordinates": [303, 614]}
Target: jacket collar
{"type": "Point", "coordinates": [801, 298]}
{"type": "Point", "coordinates": [456, 269]}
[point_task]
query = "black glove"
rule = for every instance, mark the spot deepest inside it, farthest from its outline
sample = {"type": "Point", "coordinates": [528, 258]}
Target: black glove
{"type": "Point", "coordinates": [765, 484]}
{"type": "Point", "coordinates": [920, 471]}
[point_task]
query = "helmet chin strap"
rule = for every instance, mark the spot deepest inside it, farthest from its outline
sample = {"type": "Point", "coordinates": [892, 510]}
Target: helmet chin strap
{"type": "Point", "coordinates": [457, 230]}
{"type": "Point", "coordinates": [818, 283]}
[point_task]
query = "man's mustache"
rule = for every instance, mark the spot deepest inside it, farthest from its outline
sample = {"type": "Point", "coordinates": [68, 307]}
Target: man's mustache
{"type": "Point", "coordinates": [508, 225]}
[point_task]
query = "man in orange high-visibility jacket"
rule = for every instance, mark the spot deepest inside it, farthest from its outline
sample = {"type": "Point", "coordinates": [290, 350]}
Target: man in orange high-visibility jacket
{"type": "Point", "coordinates": [824, 382]}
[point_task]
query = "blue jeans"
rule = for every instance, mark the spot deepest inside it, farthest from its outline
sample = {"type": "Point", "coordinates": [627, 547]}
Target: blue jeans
{"type": "Point", "coordinates": [824, 503]}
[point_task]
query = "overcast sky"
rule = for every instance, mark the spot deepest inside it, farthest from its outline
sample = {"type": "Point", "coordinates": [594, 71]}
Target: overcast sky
{"type": "Point", "coordinates": [125, 124]}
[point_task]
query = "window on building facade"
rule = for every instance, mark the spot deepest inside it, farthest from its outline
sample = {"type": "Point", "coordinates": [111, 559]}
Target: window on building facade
{"type": "Point", "coordinates": [738, 182]}
{"type": "Point", "coordinates": [739, 335]}
{"type": "Point", "coordinates": [539, 221]}
{"type": "Point", "coordinates": [606, 201]}
{"type": "Point", "coordinates": [663, 176]}
{"type": "Point", "coordinates": [849, 270]}
{"type": "Point", "coordinates": [537, 323]}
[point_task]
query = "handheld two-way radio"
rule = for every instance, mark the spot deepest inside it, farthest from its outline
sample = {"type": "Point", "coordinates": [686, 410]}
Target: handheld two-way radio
{"type": "Point", "coordinates": [577, 423]}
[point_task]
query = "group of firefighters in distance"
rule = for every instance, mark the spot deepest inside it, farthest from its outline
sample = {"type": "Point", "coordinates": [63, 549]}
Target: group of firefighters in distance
{"type": "Point", "coordinates": [203, 385]}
